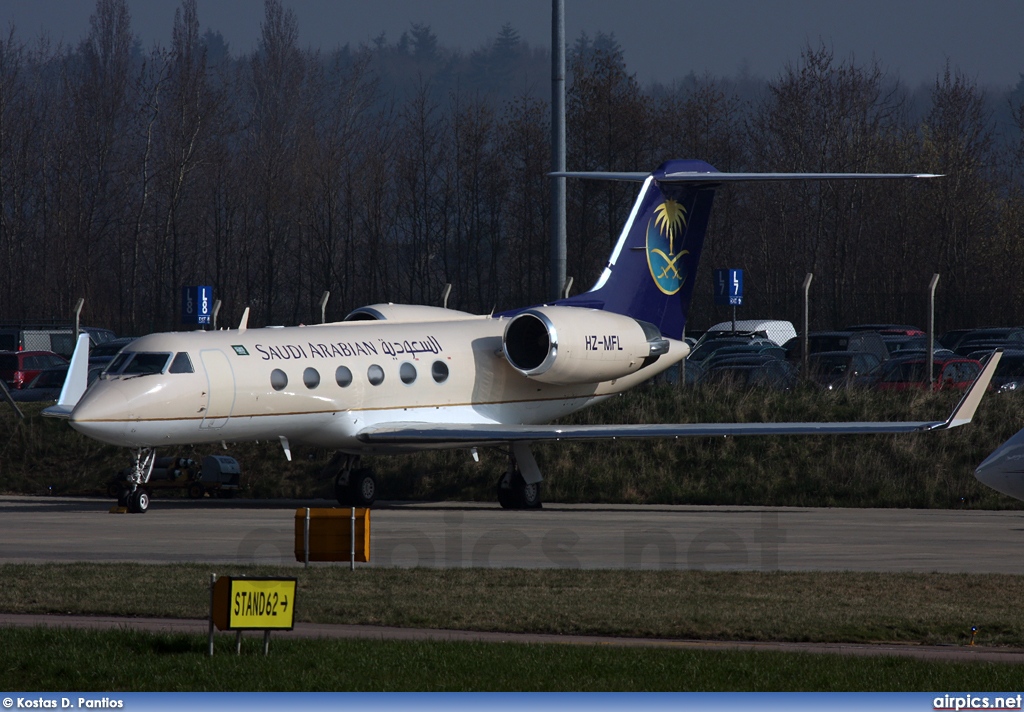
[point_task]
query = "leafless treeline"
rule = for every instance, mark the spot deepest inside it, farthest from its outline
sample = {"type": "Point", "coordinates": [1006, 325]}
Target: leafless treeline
{"type": "Point", "coordinates": [276, 176]}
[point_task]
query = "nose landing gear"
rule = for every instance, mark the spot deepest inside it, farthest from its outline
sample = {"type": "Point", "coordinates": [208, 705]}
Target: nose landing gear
{"type": "Point", "coordinates": [134, 496]}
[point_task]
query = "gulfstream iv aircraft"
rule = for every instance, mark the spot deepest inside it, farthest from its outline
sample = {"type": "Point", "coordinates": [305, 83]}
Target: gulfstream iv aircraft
{"type": "Point", "coordinates": [395, 378]}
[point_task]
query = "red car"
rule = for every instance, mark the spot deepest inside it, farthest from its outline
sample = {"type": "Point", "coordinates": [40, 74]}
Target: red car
{"type": "Point", "coordinates": [18, 368]}
{"type": "Point", "coordinates": [907, 373]}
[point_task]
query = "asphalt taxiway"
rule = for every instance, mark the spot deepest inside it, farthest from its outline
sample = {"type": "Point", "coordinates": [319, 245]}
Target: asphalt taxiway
{"type": "Point", "coordinates": [57, 529]}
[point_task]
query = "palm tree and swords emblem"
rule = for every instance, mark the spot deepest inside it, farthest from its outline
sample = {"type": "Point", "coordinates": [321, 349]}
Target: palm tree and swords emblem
{"type": "Point", "coordinates": [668, 223]}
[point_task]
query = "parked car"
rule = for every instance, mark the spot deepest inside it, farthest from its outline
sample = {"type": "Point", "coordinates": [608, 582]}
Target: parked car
{"type": "Point", "coordinates": [909, 373]}
{"type": "Point", "coordinates": [98, 335]}
{"type": "Point", "coordinates": [888, 329]}
{"type": "Point", "coordinates": [48, 384]}
{"type": "Point", "coordinates": [772, 329]}
{"type": "Point", "coordinates": [1002, 335]}
{"type": "Point", "coordinates": [982, 349]}
{"type": "Point", "coordinates": [821, 341]}
{"type": "Point", "coordinates": [868, 341]}
{"type": "Point", "coordinates": [758, 348]}
{"type": "Point", "coordinates": [897, 344]}
{"type": "Point", "coordinates": [840, 369]}
{"type": "Point", "coordinates": [752, 372]}
{"type": "Point", "coordinates": [971, 344]}
{"type": "Point", "coordinates": [104, 353]}
{"type": "Point", "coordinates": [693, 372]}
{"type": "Point", "coordinates": [18, 368]}
{"type": "Point", "coordinates": [704, 349]}
{"type": "Point", "coordinates": [59, 339]}
{"type": "Point", "coordinates": [950, 338]}
{"type": "Point", "coordinates": [1009, 375]}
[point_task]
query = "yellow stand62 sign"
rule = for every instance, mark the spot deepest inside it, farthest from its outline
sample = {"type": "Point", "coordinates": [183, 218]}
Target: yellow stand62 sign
{"type": "Point", "coordinates": [254, 603]}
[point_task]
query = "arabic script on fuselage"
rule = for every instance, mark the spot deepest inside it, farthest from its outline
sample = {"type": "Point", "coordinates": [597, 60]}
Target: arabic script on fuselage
{"type": "Point", "coordinates": [350, 349]}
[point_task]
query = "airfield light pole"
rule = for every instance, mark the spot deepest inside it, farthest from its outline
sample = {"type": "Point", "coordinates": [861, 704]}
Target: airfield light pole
{"type": "Point", "coordinates": [557, 147]}
{"type": "Point", "coordinates": [931, 329]}
{"type": "Point", "coordinates": [803, 337]}
{"type": "Point", "coordinates": [323, 307]}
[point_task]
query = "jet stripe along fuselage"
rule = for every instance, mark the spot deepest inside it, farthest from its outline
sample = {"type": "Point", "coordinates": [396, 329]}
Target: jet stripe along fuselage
{"type": "Point", "coordinates": [266, 383]}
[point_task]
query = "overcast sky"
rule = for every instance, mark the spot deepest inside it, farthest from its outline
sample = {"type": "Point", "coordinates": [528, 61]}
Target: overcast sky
{"type": "Point", "coordinates": [662, 39]}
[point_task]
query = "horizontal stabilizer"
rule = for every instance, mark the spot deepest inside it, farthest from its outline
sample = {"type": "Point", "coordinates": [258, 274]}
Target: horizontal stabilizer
{"type": "Point", "coordinates": [716, 177]}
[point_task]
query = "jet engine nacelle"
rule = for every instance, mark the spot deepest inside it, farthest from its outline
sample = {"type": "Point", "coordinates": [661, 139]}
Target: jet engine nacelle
{"type": "Point", "coordinates": [569, 345]}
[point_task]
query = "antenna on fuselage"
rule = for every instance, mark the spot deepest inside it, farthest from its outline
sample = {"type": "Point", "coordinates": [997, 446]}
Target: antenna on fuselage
{"type": "Point", "coordinates": [444, 297]}
{"type": "Point", "coordinates": [244, 323]}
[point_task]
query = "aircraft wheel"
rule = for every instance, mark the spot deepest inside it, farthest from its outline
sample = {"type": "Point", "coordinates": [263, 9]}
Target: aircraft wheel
{"type": "Point", "coordinates": [363, 488]}
{"type": "Point", "coordinates": [123, 496]}
{"type": "Point", "coordinates": [505, 497]}
{"type": "Point", "coordinates": [342, 493]}
{"type": "Point", "coordinates": [138, 502]}
{"type": "Point", "coordinates": [196, 491]}
{"type": "Point", "coordinates": [526, 496]}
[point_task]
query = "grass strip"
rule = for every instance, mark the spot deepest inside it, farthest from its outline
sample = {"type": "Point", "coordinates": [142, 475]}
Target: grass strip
{"type": "Point", "coordinates": [777, 606]}
{"type": "Point", "coordinates": [125, 661]}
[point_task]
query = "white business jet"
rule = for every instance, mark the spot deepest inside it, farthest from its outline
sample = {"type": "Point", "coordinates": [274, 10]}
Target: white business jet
{"type": "Point", "coordinates": [395, 378]}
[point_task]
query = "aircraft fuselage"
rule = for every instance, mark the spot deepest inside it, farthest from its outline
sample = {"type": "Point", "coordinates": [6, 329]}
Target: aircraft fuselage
{"type": "Point", "coordinates": [321, 385]}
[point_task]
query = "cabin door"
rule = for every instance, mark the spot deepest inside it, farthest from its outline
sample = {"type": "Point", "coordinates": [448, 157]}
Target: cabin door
{"type": "Point", "coordinates": [220, 389]}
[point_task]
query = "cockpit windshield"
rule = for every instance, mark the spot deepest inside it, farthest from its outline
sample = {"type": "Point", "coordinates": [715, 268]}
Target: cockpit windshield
{"type": "Point", "coordinates": [138, 364]}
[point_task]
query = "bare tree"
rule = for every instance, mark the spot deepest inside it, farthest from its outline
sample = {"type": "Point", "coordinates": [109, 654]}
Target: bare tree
{"type": "Point", "coordinates": [608, 122]}
{"type": "Point", "coordinates": [821, 116]}
{"type": "Point", "coordinates": [958, 210]}
{"type": "Point", "coordinates": [275, 129]}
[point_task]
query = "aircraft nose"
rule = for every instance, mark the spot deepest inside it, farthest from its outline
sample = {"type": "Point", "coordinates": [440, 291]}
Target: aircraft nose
{"type": "Point", "coordinates": [1003, 470]}
{"type": "Point", "coordinates": [102, 413]}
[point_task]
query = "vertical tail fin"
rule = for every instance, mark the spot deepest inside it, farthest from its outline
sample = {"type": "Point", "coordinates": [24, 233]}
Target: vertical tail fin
{"type": "Point", "coordinates": [651, 272]}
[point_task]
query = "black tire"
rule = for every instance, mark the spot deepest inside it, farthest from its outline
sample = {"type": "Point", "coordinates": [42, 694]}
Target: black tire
{"type": "Point", "coordinates": [123, 496]}
{"type": "Point", "coordinates": [138, 502]}
{"type": "Point", "coordinates": [196, 491]}
{"type": "Point", "coordinates": [525, 496]}
{"type": "Point", "coordinates": [362, 488]}
{"type": "Point", "coordinates": [505, 496]}
{"type": "Point", "coordinates": [342, 494]}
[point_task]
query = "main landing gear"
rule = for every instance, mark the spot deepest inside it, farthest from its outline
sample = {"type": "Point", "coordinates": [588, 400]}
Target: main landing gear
{"type": "Point", "coordinates": [134, 496]}
{"type": "Point", "coordinates": [519, 486]}
{"type": "Point", "coordinates": [354, 486]}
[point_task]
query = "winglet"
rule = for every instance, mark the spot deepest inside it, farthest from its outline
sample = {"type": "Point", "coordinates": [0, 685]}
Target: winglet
{"type": "Point", "coordinates": [964, 411]}
{"type": "Point", "coordinates": [75, 382]}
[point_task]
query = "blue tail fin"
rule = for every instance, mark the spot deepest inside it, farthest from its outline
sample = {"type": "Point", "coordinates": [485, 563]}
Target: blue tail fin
{"type": "Point", "coordinates": [651, 272]}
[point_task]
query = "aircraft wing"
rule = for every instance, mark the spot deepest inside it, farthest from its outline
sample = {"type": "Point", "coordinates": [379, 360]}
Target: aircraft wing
{"type": "Point", "coordinates": [472, 434]}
